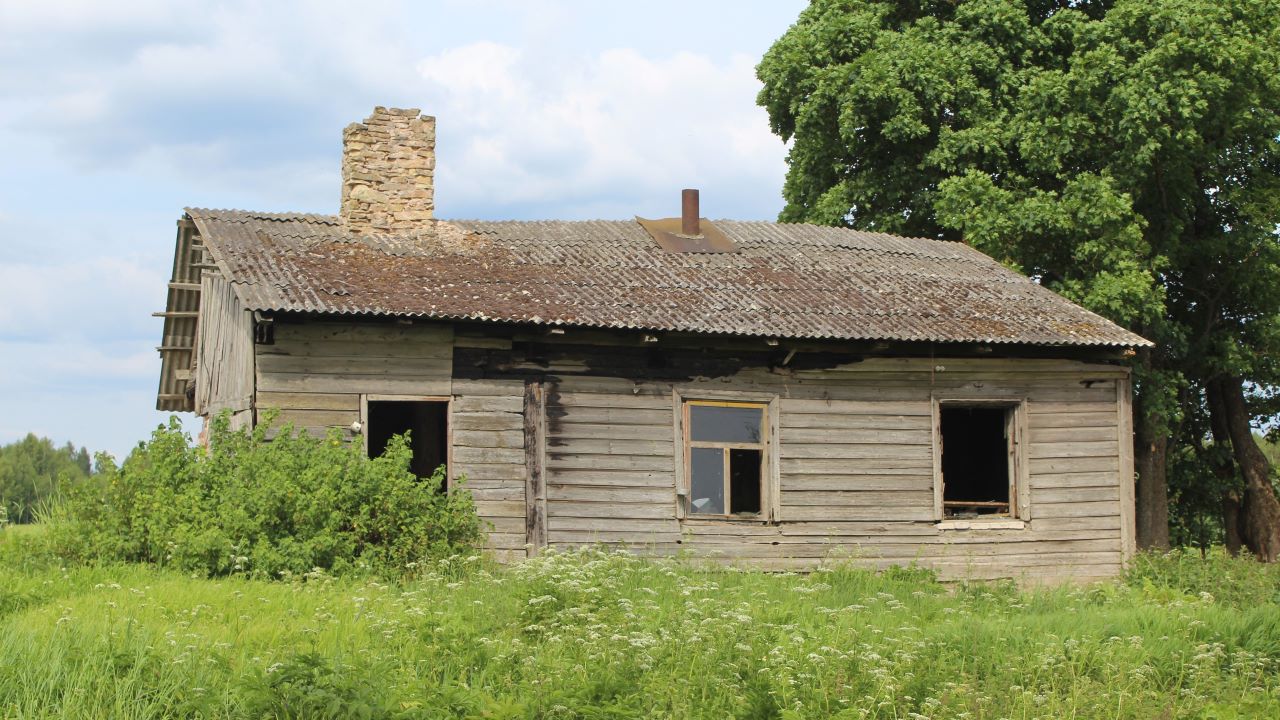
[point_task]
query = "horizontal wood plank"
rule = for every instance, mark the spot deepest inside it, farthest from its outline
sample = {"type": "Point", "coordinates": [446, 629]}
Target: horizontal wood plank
{"type": "Point", "coordinates": [366, 384]}
{"type": "Point", "coordinates": [920, 435]}
{"type": "Point", "coordinates": [309, 401]}
{"type": "Point", "coordinates": [1107, 448]}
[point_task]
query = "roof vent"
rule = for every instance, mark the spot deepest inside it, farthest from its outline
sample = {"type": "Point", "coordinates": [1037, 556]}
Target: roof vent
{"type": "Point", "coordinates": [688, 233]}
{"type": "Point", "coordinates": [689, 212]}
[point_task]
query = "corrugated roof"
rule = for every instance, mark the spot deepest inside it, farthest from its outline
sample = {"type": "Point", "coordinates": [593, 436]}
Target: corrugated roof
{"type": "Point", "coordinates": [788, 281]}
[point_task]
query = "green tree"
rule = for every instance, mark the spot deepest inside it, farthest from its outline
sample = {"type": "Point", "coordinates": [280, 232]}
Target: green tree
{"type": "Point", "coordinates": [1124, 153]}
{"type": "Point", "coordinates": [32, 470]}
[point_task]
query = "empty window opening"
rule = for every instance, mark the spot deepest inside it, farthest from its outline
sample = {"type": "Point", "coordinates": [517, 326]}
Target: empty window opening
{"type": "Point", "coordinates": [744, 481]}
{"type": "Point", "coordinates": [425, 422]}
{"type": "Point", "coordinates": [977, 455]}
{"type": "Point", "coordinates": [726, 455]}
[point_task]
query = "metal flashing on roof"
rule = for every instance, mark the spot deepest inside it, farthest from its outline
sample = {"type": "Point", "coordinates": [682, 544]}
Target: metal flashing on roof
{"type": "Point", "coordinates": [666, 232]}
{"type": "Point", "coordinates": [785, 281]}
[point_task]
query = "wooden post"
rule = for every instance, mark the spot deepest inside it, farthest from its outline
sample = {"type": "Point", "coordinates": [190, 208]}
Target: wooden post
{"type": "Point", "coordinates": [1128, 520]}
{"type": "Point", "coordinates": [535, 489]}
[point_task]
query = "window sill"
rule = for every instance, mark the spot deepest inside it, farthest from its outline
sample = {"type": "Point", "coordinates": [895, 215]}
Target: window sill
{"type": "Point", "coordinates": [1001, 524]}
{"type": "Point", "coordinates": [734, 519]}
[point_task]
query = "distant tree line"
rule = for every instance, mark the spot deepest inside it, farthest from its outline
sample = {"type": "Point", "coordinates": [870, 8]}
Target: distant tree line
{"type": "Point", "coordinates": [1125, 153]}
{"type": "Point", "coordinates": [31, 472]}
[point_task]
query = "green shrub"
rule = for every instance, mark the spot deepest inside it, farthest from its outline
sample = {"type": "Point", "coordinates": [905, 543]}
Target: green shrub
{"type": "Point", "coordinates": [264, 508]}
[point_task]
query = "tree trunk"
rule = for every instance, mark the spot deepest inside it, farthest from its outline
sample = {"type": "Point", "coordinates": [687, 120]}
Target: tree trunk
{"type": "Point", "coordinates": [1223, 467]}
{"type": "Point", "coordinates": [1151, 496]}
{"type": "Point", "coordinates": [1231, 522]}
{"type": "Point", "coordinates": [1260, 526]}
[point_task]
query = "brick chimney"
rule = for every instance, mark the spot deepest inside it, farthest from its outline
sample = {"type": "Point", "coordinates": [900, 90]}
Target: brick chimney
{"type": "Point", "coordinates": [388, 171]}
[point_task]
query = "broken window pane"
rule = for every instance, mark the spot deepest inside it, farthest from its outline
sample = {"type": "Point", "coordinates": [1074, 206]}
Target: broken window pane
{"type": "Point", "coordinates": [744, 481]}
{"type": "Point", "coordinates": [706, 480]}
{"type": "Point", "coordinates": [975, 460]}
{"type": "Point", "coordinates": [716, 423]}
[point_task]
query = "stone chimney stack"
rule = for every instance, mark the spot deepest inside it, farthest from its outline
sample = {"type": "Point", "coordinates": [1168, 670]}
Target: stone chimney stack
{"type": "Point", "coordinates": [388, 171]}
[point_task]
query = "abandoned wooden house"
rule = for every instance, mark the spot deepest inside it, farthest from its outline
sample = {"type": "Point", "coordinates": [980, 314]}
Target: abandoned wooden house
{"type": "Point", "coordinates": [768, 394]}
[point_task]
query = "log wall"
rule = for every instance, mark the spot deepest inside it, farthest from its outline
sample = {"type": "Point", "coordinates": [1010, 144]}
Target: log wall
{"type": "Point", "coordinates": [563, 446]}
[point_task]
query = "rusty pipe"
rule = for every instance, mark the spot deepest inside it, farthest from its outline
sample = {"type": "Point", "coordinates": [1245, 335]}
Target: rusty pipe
{"type": "Point", "coordinates": [689, 224]}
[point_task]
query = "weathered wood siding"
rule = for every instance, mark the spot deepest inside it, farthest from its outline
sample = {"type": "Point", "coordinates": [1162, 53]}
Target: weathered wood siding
{"type": "Point", "coordinates": [488, 450]}
{"type": "Point", "coordinates": [224, 353]}
{"type": "Point", "coordinates": [856, 468]}
{"type": "Point", "coordinates": [558, 448]}
{"type": "Point", "coordinates": [317, 375]}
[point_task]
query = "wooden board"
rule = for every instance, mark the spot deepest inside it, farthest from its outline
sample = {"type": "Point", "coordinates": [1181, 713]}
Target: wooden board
{"type": "Point", "coordinates": [224, 350]}
{"type": "Point", "coordinates": [356, 358]}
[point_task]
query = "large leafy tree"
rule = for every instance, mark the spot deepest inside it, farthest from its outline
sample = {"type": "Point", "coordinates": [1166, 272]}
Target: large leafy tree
{"type": "Point", "coordinates": [1122, 152]}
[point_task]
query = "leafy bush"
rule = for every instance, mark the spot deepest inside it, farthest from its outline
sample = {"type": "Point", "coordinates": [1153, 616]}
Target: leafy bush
{"type": "Point", "coordinates": [264, 508]}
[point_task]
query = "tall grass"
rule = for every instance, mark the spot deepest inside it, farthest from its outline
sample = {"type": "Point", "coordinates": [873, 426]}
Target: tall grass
{"type": "Point", "coordinates": [594, 634]}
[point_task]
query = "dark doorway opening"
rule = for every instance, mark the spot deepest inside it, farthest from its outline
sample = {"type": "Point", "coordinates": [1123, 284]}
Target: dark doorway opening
{"type": "Point", "coordinates": [975, 460]}
{"type": "Point", "coordinates": [425, 421]}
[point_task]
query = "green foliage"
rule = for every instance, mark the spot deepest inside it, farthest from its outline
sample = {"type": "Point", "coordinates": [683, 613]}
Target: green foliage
{"type": "Point", "coordinates": [1240, 582]}
{"type": "Point", "coordinates": [31, 471]}
{"type": "Point", "coordinates": [267, 509]}
{"type": "Point", "coordinates": [310, 686]}
{"type": "Point", "coordinates": [597, 634]}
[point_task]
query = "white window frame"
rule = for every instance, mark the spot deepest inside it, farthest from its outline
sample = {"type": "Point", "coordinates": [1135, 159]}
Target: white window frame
{"type": "Point", "coordinates": [1019, 472]}
{"type": "Point", "coordinates": [770, 491]}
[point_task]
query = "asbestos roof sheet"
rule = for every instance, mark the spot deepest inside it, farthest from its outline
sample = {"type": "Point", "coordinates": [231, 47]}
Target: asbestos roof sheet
{"type": "Point", "coordinates": [787, 281]}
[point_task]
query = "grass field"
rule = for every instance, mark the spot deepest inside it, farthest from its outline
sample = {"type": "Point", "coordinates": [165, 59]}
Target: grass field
{"type": "Point", "coordinates": [601, 635]}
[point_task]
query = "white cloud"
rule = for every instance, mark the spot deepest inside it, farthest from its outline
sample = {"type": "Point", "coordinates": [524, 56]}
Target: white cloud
{"type": "Point", "coordinates": [618, 122]}
{"type": "Point", "coordinates": [57, 363]}
{"type": "Point", "coordinates": [103, 297]}
{"type": "Point", "coordinates": [253, 104]}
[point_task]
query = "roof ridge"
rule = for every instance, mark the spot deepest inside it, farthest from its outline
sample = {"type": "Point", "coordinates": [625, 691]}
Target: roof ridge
{"type": "Point", "coordinates": [334, 218]}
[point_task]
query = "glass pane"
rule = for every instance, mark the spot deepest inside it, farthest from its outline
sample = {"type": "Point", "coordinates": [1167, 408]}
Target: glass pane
{"type": "Point", "coordinates": [706, 481]}
{"type": "Point", "coordinates": [744, 481]}
{"type": "Point", "coordinates": [714, 423]}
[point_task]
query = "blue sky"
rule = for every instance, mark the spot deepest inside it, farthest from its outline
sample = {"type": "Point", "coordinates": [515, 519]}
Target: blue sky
{"type": "Point", "coordinates": [116, 115]}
